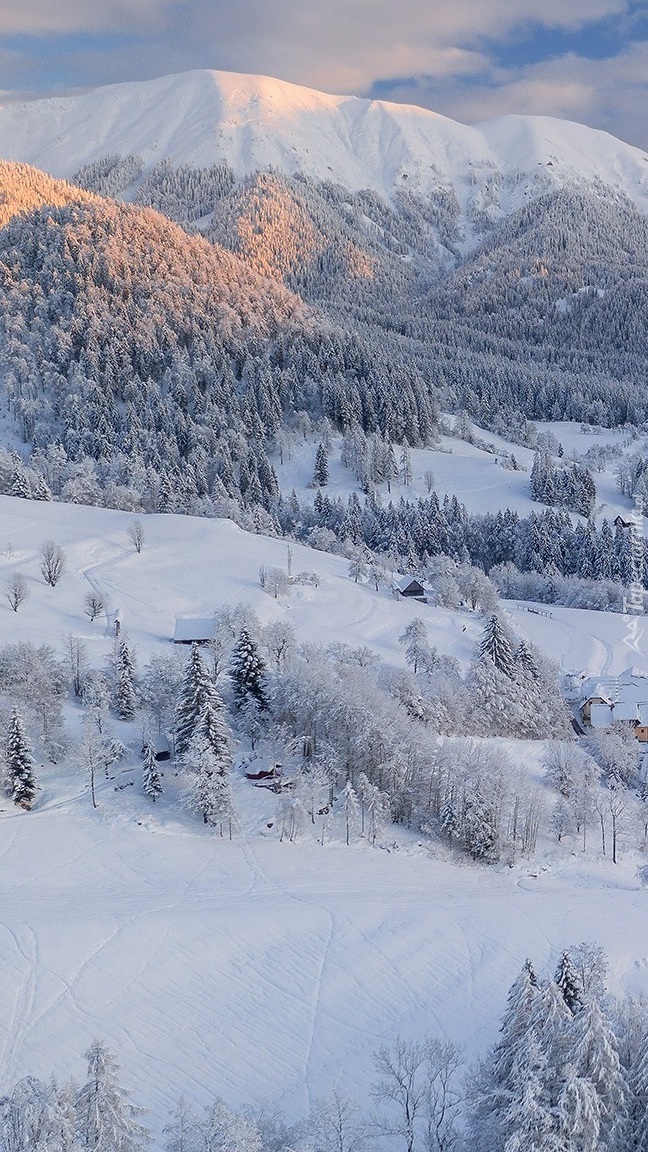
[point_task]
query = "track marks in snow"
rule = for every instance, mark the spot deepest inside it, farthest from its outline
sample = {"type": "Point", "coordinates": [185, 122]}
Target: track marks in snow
{"type": "Point", "coordinates": [26, 951]}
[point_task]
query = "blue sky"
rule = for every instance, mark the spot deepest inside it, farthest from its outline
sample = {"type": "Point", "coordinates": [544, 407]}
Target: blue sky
{"type": "Point", "coordinates": [584, 60]}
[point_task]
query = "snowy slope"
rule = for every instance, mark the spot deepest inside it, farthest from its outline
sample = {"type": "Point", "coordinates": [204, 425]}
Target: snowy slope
{"type": "Point", "coordinates": [254, 122]}
{"type": "Point", "coordinates": [255, 969]}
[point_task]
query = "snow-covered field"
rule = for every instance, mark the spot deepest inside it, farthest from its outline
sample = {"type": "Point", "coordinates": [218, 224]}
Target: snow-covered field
{"type": "Point", "coordinates": [257, 969]}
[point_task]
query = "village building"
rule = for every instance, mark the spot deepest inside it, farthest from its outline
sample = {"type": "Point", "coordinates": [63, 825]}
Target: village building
{"type": "Point", "coordinates": [194, 630]}
{"type": "Point", "coordinates": [606, 700]}
{"type": "Point", "coordinates": [408, 586]}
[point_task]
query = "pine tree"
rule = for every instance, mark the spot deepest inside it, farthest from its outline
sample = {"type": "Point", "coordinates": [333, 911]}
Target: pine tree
{"type": "Point", "coordinates": [495, 645]}
{"type": "Point", "coordinates": [151, 779]}
{"type": "Point", "coordinates": [208, 760]}
{"type": "Point", "coordinates": [105, 1120]}
{"type": "Point", "coordinates": [636, 1118]}
{"type": "Point", "coordinates": [568, 981]}
{"type": "Point", "coordinates": [20, 763]}
{"type": "Point", "coordinates": [125, 695]}
{"type": "Point", "coordinates": [498, 1086]}
{"type": "Point", "coordinates": [247, 671]}
{"type": "Point", "coordinates": [594, 1054]}
{"type": "Point", "coordinates": [525, 665]}
{"type": "Point", "coordinates": [321, 470]}
{"type": "Point", "coordinates": [196, 689]}
{"type": "Point", "coordinates": [578, 1112]}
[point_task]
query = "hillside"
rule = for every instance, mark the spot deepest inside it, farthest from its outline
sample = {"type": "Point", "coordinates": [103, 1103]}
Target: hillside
{"type": "Point", "coordinates": [257, 969]}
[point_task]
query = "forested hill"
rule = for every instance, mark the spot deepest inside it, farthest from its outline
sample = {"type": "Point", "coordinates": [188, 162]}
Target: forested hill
{"type": "Point", "coordinates": [23, 188]}
{"type": "Point", "coordinates": [153, 353]}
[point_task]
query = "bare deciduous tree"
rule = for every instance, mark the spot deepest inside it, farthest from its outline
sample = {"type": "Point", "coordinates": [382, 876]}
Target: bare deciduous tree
{"type": "Point", "coordinates": [16, 590]}
{"type": "Point", "coordinates": [93, 605]}
{"type": "Point", "coordinates": [52, 562]}
{"type": "Point", "coordinates": [420, 1082]}
{"type": "Point", "coordinates": [136, 535]}
{"type": "Point", "coordinates": [77, 655]}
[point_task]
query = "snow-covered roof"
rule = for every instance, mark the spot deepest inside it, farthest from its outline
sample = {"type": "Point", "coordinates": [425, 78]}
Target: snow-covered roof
{"type": "Point", "coordinates": [629, 688]}
{"type": "Point", "coordinates": [406, 582]}
{"type": "Point", "coordinates": [193, 629]}
{"type": "Point", "coordinates": [622, 697]}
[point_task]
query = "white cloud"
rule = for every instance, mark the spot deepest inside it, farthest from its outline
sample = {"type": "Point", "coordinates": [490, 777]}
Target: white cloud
{"type": "Point", "coordinates": [347, 46]}
{"type": "Point", "coordinates": [43, 17]}
{"type": "Point", "coordinates": [609, 94]}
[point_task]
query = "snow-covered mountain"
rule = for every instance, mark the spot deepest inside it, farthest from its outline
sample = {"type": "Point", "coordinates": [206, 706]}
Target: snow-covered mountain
{"type": "Point", "coordinates": [254, 122]}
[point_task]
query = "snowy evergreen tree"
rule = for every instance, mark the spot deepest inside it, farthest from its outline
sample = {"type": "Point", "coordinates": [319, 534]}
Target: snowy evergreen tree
{"type": "Point", "coordinates": [35, 1117]}
{"type": "Point", "coordinates": [593, 1052]}
{"type": "Point", "coordinates": [105, 1119]}
{"type": "Point", "coordinates": [495, 645]}
{"type": "Point", "coordinates": [183, 1131]}
{"type": "Point", "coordinates": [321, 470]}
{"type": "Point", "coordinates": [196, 690]}
{"type": "Point", "coordinates": [208, 762]}
{"type": "Point", "coordinates": [525, 664]}
{"type": "Point", "coordinates": [20, 763]}
{"type": "Point", "coordinates": [151, 778]}
{"type": "Point", "coordinates": [635, 1126]}
{"type": "Point", "coordinates": [247, 670]}
{"type": "Point", "coordinates": [568, 981]}
{"type": "Point", "coordinates": [125, 694]}
{"type": "Point", "coordinates": [578, 1113]}
{"type": "Point", "coordinates": [224, 1131]}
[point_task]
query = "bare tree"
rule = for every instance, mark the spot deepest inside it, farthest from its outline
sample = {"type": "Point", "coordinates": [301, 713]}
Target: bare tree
{"type": "Point", "coordinates": [617, 805]}
{"type": "Point", "coordinates": [136, 535]}
{"type": "Point", "coordinates": [279, 638]}
{"type": "Point", "coordinates": [276, 582]}
{"type": "Point", "coordinates": [16, 590]}
{"type": "Point", "coordinates": [443, 1063]}
{"type": "Point", "coordinates": [52, 562]}
{"type": "Point", "coordinates": [337, 1124]}
{"type": "Point", "coordinates": [421, 1081]}
{"type": "Point", "coordinates": [429, 479]}
{"type": "Point", "coordinates": [77, 655]}
{"type": "Point", "coordinates": [93, 605]}
{"type": "Point", "coordinates": [401, 1084]}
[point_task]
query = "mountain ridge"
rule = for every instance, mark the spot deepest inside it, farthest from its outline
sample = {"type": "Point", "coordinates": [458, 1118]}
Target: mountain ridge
{"type": "Point", "coordinates": [258, 123]}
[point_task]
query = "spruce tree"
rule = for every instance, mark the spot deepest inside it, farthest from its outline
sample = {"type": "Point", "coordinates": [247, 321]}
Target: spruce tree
{"type": "Point", "coordinates": [568, 981]}
{"type": "Point", "coordinates": [524, 662]}
{"type": "Point", "coordinates": [125, 695]}
{"type": "Point", "coordinates": [151, 779]}
{"type": "Point", "coordinates": [247, 671]}
{"type": "Point", "coordinates": [20, 763]}
{"type": "Point", "coordinates": [595, 1056]}
{"type": "Point", "coordinates": [196, 689]}
{"type": "Point", "coordinates": [495, 645]}
{"type": "Point", "coordinates": [208, 760]}
{"type": "Point", "coordinates": [321, 470]}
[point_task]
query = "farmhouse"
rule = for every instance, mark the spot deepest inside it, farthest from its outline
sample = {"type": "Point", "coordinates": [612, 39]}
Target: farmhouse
{"type": "Point", "coordinates": [608, 699]}
{"type": "Point", "coordinates": [193, 630]}
{"type": "Point", "coordinates": [408, 586]}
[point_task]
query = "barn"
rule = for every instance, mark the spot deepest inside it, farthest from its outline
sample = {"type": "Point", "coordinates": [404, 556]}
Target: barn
{"type": "Point", "coordinates": [194, 630]}
{"type": "Point", "coordinates": [408, 586]}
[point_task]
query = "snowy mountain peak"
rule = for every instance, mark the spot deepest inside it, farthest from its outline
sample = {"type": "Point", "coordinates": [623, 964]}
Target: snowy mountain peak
{"type": "Point", "coordinates": [256, 122]}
